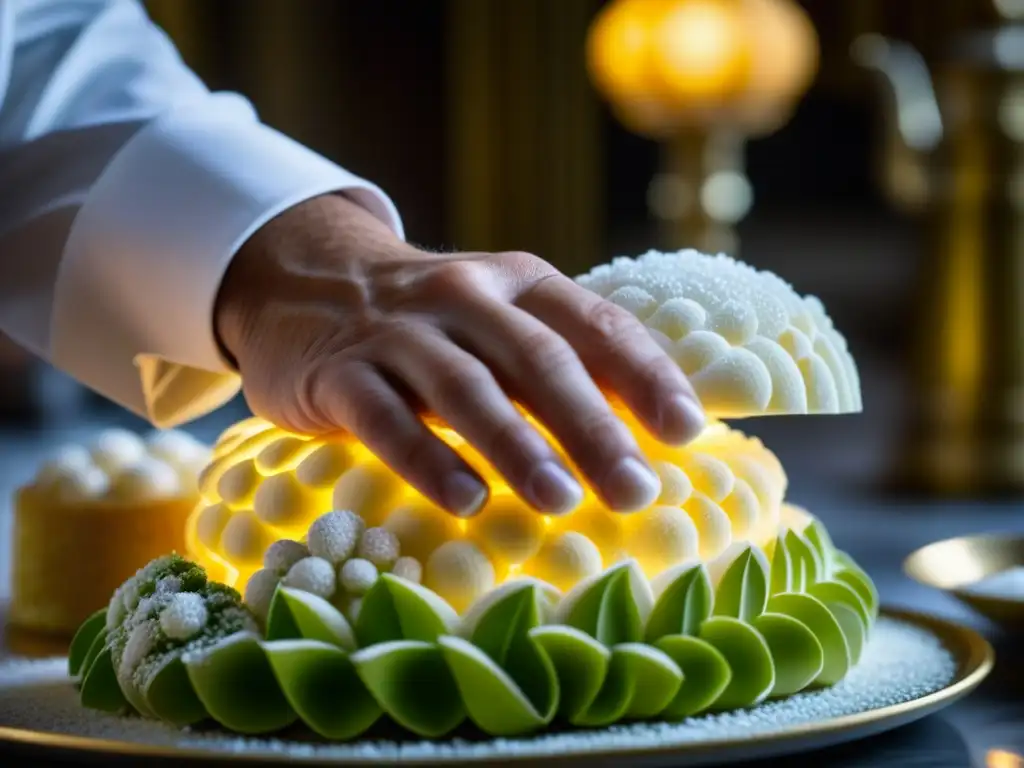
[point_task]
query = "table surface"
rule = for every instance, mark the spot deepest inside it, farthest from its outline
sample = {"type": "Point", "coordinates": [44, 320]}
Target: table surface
{"type": "Point", "coordinates": [986, 729]}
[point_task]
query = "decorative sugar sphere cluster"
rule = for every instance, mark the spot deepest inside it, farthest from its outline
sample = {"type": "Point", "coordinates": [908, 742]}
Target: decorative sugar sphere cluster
{"type": "Point", "coordinates": [748, 342]}
{"type": "Point", "coordinates": [339, 559]}
{"type": "Point", "coordinates": [265, 497]}
{"type": "Point", "coordinates": [120, 466]}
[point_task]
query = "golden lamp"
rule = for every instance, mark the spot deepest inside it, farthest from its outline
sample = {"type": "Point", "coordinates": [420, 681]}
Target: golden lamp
{"type": "Point", "coordinates": [701, 77]}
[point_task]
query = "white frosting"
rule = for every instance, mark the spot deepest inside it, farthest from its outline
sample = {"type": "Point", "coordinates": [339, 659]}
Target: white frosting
{"type": "Point", "coordinates": [357, 576]}
{"type": "Point", "coordinates": [177, 448]}
{"type": "Point", "coordinates": [148, 478]}
{"type": "Point", "coordinates": [184, 616]}
{"type": "Point", "coordinates": [114, 449]}
{"type": "Point", "coordinates": [380, 547]}
{"type": "Point", "coordinates": [283, 554]}
{"type": "Point", "coordinates": [78, 484]}
{"type": "Point", "coordinates": [749, 343]}
{"type": "Point", "coordinates": [334, 536]}
{"type": "Point", "coordinates": [314, 575]}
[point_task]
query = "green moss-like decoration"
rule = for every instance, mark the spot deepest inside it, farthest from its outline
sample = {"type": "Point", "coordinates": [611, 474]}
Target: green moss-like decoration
{"type": "Point", "coordinates": [725, 635]}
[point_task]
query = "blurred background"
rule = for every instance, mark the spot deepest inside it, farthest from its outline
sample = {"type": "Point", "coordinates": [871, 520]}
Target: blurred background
{"type": "Point", "coordinates": [864, 150]}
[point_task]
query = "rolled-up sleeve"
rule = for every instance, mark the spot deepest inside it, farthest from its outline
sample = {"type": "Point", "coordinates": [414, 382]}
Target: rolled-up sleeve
{"type": "Point", "coordinates": [161, 183]}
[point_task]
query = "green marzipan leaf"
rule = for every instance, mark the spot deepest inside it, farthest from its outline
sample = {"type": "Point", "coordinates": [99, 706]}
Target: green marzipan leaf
{"type": "Point", "coordinates": [654, 679]}
{"type": "Point", "coordinates": [613, 699]}
{"type": "Point", "coordinates": [78, 652]}
{"type": "Point", "coordinates": [236, 684]}
{"type": "Point", "coordinates": [749, 658]}
{"type": "Point", "coordinates": [397, 609]}
{"type": "Point", "coordinates": [296, 614]}
{"type": "Point", "coordinates": [684, 605]}
{"type": "Point", "coordinates": [503, 634]}
{"type": "Point", "coordinates": [743, 591]}
{"type": "Point", "coordinates": [862, 584]}
{"type": "Point", "coordinates": [818, 537]}
{"type": "Point", "coordinates": [321, 684]}
{"type": "Point", "coordinates": [493, 700]}
{"type": "Point", "coordinates": [607, 611]}
{"type": "Point", "coordinates": [100, 689]}
{"type": "Point", "coordinates": [98, 644]}
{"type": "Point", "coordinates": [814, 615]}
{"type": "Point", "coordinates": [839, 592]}
{"type": "Point", "coordinates": [853, 626]}
{"type": "Point", "coordinates": [412, 683]}
{"type": "Point", "coordinates": [796, 652]}
{"type": "Point", "coordinates": [171, 697]}
{"type": "Point", "coordinates": [706, 675]}
{"type": "Point", "coordinates": [580, 662]}
{"type": "Point", "coordinates": [782, 568]}
{"type": "Point", "coordinates": [806, 566]}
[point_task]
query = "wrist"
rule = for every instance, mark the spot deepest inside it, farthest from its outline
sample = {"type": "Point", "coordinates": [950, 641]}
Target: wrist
{"type": "Point", "coordinates": [286, 255]}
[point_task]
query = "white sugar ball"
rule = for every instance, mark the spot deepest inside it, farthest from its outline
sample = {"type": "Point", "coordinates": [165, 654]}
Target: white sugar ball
{"type": "Point", "coordinates": [237, 486]}
{"type": "Point", "coordinates": [283, 554]}
{"type": "Point", "coordinates": [147, 479]}
{"type": "Point", "coordinates": [323, 467]}
{"type": "Point", "coordinates": [460, 573]}
{"type": "Point", "coordinates": [675, 484]}
{"type": "Point", "coordinates": [379, 546]}
{"type": "Point", "coordinates": [408, 568]}
{"type": "Point", "coordinates": [636, 301]}
{"type": "Point", "coordinates": [566, 560]}
{"type": "Point", "coordinates": [65, 460]}
{"type": "Point", "coordinates": [736, 322]}
{"type": "Point", "coordinates": [677, 318]}
{"type": "Point", "coordinates": [116, 448]}
{"type": "Point", "coordinates": [76, 485]}
{"type": "Point", "coordinates": [314, 575]}
{"type": "Point", "coordinates": [334, 536]}
{"type": "Point", "coordinates": [357, 576]}
{"type": "Point", "coordinates": [177, 448]}
{"type": "Point", "coordinates": [661, 537]}
{"type": "Point", "coordinates": [184, 616]}
{"type": "Point", "coordinates": [259, 591]}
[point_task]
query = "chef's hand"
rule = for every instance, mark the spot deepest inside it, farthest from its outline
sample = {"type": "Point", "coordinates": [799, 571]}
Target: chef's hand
{"type": "Point", "coordinates": [338, 325]}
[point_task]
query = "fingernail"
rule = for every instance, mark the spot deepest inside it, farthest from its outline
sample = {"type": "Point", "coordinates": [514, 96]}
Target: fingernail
{"type": "Point", "coordinates": [463, 494]}
{"type": "Point", "coordinates": [680, 419]}
{"type": "Point", "coordinates": [553, 490]}
{"type": "Point", "coordinates": [631, 486]}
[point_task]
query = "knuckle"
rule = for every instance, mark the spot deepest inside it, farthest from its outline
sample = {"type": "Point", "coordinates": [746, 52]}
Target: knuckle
{"type": "Point", "coordinates": [611, 325]}
{"type": "Point", "coordinates": [548, 354]}
{"type": "Point", "coordinates": [460, 387]}
{"type": "Point", "coordinates": [510, 441]}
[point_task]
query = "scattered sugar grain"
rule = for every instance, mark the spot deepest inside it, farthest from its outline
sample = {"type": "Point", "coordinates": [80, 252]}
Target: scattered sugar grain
{"type": "Point", "coordinates": [1007, 585]}
{"type": "Point", "coordinates": [900, 663]}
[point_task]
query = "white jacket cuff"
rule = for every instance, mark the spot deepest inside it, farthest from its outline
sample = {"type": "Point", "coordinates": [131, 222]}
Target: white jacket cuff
{"type": "Point", "coordinates": [133, 307]}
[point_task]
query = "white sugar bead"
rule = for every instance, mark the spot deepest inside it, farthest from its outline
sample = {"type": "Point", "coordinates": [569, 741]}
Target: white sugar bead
{"type": "Point", "coordinates": [357, 576]}
{"type": "Point", "coordinates": [65, 460]}
{"type": "Point", "coordinates": [379, 546]}
{"type": "Point", "coordinates": [283, 554]}
{"type": "Point", "coordinates": [408, 568]}
{"type": "Point", "coordinates": [334, 536]}
{"type": "Point", "coordinates": [259, 591]}
{"type": "Point", "coordinates": [116, 448]}
{"type": "Point", "coordinates": [460, 573]}
{"type": "Point", "coordinates": [77, 485]}
{"type": "Point", "coordinates": [314, 575]}
{"type": "Point", "coordinates": [147, 479]}
{"type": "Point", "coordinates": [184, 616]}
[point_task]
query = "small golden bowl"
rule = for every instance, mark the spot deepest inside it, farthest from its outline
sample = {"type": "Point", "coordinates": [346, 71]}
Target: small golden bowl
{"type": "Point", "coordinates": [956, 565]}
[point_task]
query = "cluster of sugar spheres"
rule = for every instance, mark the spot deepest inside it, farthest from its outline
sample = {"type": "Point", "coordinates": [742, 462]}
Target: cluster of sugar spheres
{"type": "Point", "coordinates": [357, 588]}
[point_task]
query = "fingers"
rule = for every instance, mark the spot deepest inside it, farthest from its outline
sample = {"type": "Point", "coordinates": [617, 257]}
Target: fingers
{"type": "Point", "coordinates": [618, 350]}
{"type": "Point", "coordinates": [460, 389]}
{"type": "Point", "coordinates": [548, 378]}
{"type": "Point", "coordinates": [355, 396]}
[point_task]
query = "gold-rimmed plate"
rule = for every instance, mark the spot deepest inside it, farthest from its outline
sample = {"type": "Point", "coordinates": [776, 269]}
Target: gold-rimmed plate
{"type": "Point", "coordinates": [973, 659]}
{"type": "Point", "coordinates": [957, 566]}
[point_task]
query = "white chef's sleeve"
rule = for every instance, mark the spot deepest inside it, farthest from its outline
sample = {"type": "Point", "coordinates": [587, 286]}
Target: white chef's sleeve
{"type": "Point", "coordinates": [125, 189]}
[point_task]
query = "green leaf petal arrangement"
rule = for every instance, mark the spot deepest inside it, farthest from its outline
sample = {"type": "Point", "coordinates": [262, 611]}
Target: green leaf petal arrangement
{"type": "Point", "coordinates": [750, 625]}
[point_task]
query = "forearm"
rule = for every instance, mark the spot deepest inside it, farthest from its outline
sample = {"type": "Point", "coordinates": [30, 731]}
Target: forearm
{"type": "Point", "coordinates": [126, 192]}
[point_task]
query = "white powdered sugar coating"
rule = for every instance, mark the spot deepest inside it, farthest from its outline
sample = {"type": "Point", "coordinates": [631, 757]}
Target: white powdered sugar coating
{"type": "Point", "coordinates": [380, 546]}
{"type": "Point", "coordinates": [283, 554]}
{"type": "Point", "coordinates": [183, 616]}
{"type": "Point", "coordinates": [334, 536]}
{"type": "Point", "coordinates": [357, 576]}
{"type": "Point", "coordinates": [314, 575]}
{"type": "Point", "coordinates": [901, 663]}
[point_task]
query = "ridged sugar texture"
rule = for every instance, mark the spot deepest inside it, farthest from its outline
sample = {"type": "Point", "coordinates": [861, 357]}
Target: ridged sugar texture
{"type": "Point", "coordinates": [749, 343]}
{"type": "Point", "coordinates": [266, 485]}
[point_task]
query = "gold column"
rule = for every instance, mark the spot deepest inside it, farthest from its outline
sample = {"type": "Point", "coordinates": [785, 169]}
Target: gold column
{"type": "Point", "coordinates": [523, 135]}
